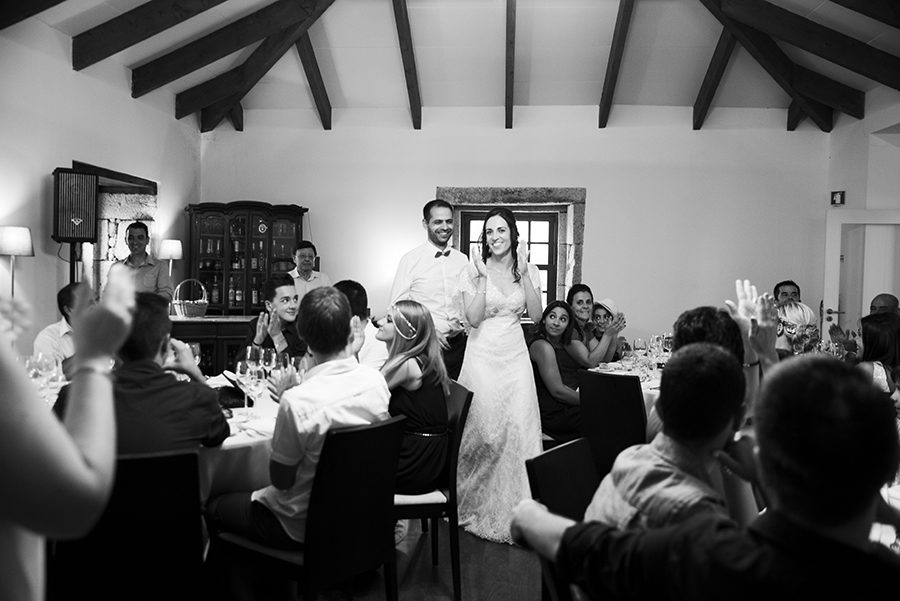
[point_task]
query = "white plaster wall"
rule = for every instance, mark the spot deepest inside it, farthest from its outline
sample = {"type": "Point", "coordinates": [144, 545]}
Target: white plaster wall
{"type": "Point", "coordinates": [50, 115]}
{"type": "Point", "coordinates": [673, 216]}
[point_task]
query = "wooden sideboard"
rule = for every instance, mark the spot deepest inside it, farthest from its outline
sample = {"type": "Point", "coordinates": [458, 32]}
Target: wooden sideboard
{"type": "Point", "coordinates": [220, 337]}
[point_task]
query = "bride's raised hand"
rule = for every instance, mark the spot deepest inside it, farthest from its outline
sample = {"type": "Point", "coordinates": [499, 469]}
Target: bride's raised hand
{"type": "Point", "coordinates": [522, 257]}
{"type": "Point", "coordinates": [476, 260]}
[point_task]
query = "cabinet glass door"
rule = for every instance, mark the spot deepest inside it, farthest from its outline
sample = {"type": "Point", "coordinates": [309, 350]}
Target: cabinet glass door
{"type": "Point", "coordinates": [258, 251]}
{"type": "Point", "coordinates": [211, 257]}
{"type": "Point", "coordinates": [237, 259]}
{"type": "Point", "coordinates": [284, 239]}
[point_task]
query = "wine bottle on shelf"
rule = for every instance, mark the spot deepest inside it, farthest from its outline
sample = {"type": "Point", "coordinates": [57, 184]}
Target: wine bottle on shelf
{"type": "Point", "coordinates": [238, 295]}
{"type": "Point", "coordinates": [253, 258]}
{"type": "Point", "coordinates": [231, 291]}
{"type": "Point", "coordinates": [215, 290]}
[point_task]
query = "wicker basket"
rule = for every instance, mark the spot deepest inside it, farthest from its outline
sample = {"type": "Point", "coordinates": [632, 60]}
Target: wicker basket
{"type": "Point", "coordinates": [190, 308]}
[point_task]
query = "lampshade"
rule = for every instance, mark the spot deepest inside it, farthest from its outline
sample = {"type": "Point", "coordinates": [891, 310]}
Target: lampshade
{"type": "Point", "coordinates": [15, 240]}
{"type": "Point", "coordinates": [170, 249]}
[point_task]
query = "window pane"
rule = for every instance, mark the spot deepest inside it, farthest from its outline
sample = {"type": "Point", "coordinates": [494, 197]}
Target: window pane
{"type": "Point", "coordinates": [543, 274]}
{"type": "Point", "coordinates": [543, 299]}
{"type": "Point", "coordinates": [475, 228]}
{"type": "Point", "coordinates": [523, 230]}
{"type": "Point", "coordinates": [539, 254]}
{"type": "Point", "coordinates": [540, 231]}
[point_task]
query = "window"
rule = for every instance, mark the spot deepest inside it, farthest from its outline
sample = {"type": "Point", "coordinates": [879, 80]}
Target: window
{"type": "Point", "coordinates": [537, 229]}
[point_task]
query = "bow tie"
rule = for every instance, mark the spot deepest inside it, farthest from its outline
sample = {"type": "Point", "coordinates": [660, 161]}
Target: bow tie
{"type": "Point", "coordinates": [439, 253]}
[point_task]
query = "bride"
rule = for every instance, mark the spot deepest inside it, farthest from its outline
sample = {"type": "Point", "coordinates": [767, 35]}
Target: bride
{"type": "Point", "coordinates": [503, 428]}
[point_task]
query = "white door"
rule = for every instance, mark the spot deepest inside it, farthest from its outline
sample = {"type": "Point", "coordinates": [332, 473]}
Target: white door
{"type": "Point", "coordinates": [870, 239]}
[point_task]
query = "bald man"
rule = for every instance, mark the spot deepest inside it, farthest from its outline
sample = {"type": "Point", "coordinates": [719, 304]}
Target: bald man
{"type": "Point", "coordinates": [884, 303]}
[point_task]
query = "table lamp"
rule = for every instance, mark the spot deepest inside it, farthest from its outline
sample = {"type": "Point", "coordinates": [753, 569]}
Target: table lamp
{"type": "Point", "coordinates": [15, 241]}
{"type": "Point", "coordinates": [170, 250]}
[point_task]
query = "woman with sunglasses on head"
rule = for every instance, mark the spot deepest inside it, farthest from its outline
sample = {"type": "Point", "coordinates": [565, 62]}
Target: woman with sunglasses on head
{"type": "Point", "coordinates": [418, 381]}
{"type": "Point", "coordinates": [797, 330]}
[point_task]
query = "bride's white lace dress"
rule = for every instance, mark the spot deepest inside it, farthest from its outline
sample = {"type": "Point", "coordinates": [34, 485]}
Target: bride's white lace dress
{"type": "Point", "coordinates": [504, 424]}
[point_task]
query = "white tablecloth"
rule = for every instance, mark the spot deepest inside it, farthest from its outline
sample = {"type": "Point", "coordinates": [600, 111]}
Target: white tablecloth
{"type": "Point", "coordinates": [242, 462]}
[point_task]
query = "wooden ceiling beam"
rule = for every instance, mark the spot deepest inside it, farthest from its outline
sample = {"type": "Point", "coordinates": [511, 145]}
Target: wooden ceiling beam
{"type": "Point", "coordinates": [13, 11]}
{"type": "Point", "coordinates": [827, 43]}
{"type": "Point", "coordinates": [886, 11]}
{"type": "Point", "coordinates": [775, 62]}
{"type": "Point", "coordinates": [717, 64]}
{"type": "Point", "coordinates": [829, 92]}
{"type": "Point", "coordinates": [404, 34]}
{"type": "Point", "coordinates": [132, 27]}
{"type": "Point", "coordinates": [236, 116]}
{"type": "Point", "coordinates": [314, 78]}
{"type": "Point", "coordinates": [616, 51]}
{"type": "Point", "coordinates": [510, 60]}
{"type": "Point", "coordinates": [266, 54]}
{"type": "Point", "coordinates": [794, 116]}
{"type": "Point", "coordinates": [265, 22]}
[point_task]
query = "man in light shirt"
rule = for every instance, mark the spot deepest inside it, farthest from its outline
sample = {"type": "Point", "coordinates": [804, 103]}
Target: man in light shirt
{"type": "Point", "coordinates": [305, 277]}
{"type": "Point", "coordinates": [150, 274]}
{"type": "Point", "coordinates": [429, 274]}
{"type": "Point", "coordinates": [55, 341]}
{"type": "Point", "coordinates": [372, 352]}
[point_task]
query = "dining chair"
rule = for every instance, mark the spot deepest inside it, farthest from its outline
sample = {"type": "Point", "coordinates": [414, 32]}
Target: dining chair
{"type": "Point", "coordinates": [349, 522]}
{"type": "Point", "coordinates": [441, 502]}
{"type": "Point", "coordinates": [613, 416]}
{"type": "Point", "coordinates": [147, 544]}
{"type": "Point", "coordinates": [564, 479]}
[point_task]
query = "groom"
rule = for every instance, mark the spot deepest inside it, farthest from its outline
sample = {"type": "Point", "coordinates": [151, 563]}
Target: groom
{"type": "Point", "coordinates": [429, 274]}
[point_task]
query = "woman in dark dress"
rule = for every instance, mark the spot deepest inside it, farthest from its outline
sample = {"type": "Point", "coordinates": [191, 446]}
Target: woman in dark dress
{"type": "Point", "coordinates": [556, 372]}
{"type": "Point", "coordinates": [418, 380]}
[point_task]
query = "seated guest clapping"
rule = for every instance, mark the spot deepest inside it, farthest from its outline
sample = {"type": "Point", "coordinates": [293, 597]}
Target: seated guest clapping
{"type": "Point", "coordinates": [336, 392]}
{"type": "Point", "coordinates": [417, 378]}
{"type": "Point", "coordinates": [826, 445]}
{"type": "Point", "coordinates": [674, 477]}
{"type": "Point", "coordinates": [607, 321]}
{"type": "Point", "coordinates": [556, 372]}
{"type": "Point", "coordinates": [155, 411]}
{"type": "Point", "coordinates": [276, 327]}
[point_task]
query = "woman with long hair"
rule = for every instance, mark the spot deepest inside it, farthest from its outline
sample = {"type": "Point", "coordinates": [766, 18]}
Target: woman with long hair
{"type": "Point", "coordinates": [556, 373]}
{"type": "Point", "coordinates": [418, 381]}
{"type": "Point", "coordinates": [503, 428]}
{"type": "Point", "coordinates": [880, 358]}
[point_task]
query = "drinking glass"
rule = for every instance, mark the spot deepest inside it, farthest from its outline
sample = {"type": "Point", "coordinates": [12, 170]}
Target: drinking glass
{"type": "Point", "coordinates": [195, 349]}
{"type": "Point", "coordinates": [668, 342]}
{"type": "Point", "coordinates": [253, 356]}
{"type": "Point", "coordinates": [244, 373]}
{"type": "Point", "coordinates": [640, 347]}
{"type": "Point", "coordinates": [269, 359]}
{"type": "Point", "coordinates": [656, 345]}
{"type": "Point", "coordinates": [627, 360]}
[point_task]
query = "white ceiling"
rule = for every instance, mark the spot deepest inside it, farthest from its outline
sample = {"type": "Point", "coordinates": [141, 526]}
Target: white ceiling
{"type": "Point", "coordinates": [562, 48]}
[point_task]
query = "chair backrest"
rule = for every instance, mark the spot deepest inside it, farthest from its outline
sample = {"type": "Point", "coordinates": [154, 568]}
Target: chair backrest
{"type": "Point", "coordinates": [149, 541]}
{"type": "Point", "coordinates": [350, 524]}
{"type": "Point", "coordinates": [613, 416]}
{"type": "Point", "coordinates": [458, 402]}
{"type": "Point", "coordinates": [564, 478]}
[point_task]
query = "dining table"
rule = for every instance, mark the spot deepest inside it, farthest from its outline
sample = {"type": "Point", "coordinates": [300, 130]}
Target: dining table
{"type": "Point", "coordinates": [241, 463]}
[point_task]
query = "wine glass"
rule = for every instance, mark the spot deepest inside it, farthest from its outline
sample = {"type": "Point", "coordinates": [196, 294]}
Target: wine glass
{"type": "Point", "coordinates": [627, 360]}
{"type": "Point", "coordinates": [269, 359]}
{"type": "Point", "coordinates": [195, 350]}
{"type": "Point", "coordinates": [656, 345]}
{"type": "Point", "coordinates": [639, 346]}
{"type": "Point", "coordinates": [253, 356]}
{"type": "Point", "coordinates": [244, 373]}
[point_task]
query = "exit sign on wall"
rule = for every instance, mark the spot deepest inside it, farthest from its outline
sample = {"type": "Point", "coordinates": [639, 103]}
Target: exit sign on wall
{"type": "Point", "coordinates": [837, 198]}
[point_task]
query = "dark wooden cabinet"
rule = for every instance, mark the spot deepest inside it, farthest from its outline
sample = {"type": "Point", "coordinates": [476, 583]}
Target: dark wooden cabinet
{"type": "Point", "coordinates": [235, 246]}
{"type": "Point", "coordinates": [220, 338]}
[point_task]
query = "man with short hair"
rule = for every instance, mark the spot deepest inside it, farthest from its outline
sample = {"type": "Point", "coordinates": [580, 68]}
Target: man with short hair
{"type": "Point", "coordinates": [787, 291]}
{"type": "Point", "coordinates": [155, 411]}
{"type": "Point", "coordinates": [337, 392]}
{"type": "Point", "coordinates": [150, 274]}
{"type": "Point", "coordinates": [429, 274]}
{"type": "Point", "coordinates": [305, 277]}
{"type": "Point", "coordinates": [55, 341]}
{"type": "Point", "coordinates": [276, 327]}
{"type": "Point", "coordinates": [373, 352]}
{"type": "Point", "coordinates": [826, 445]}
{"type": "Point", "coordinates": [884, 303]}
{"type": "Point", "coordinates": [672, 478]}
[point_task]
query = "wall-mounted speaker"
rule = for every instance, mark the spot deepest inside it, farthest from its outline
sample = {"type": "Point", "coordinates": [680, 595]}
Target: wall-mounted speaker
{"type": "Point", "coordinates": [74, 206]}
